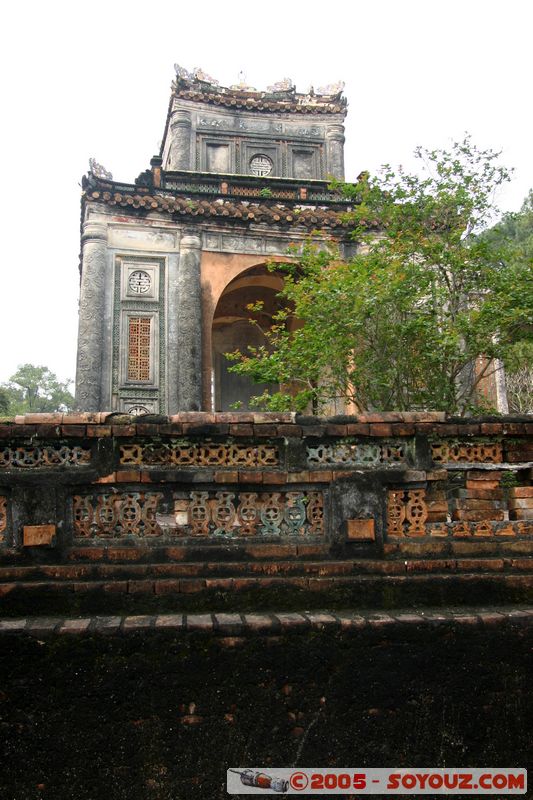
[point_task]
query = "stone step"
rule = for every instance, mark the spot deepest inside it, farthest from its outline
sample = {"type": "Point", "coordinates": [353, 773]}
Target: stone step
{"type": "Point", "coordinates": [213, 569]}
{"type": "Point", "coordinates": [246, 592]}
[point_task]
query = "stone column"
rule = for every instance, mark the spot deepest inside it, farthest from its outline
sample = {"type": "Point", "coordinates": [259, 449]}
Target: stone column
{"type": "Point", "coordinates": [180, 146]}
{"type": "Point", "coordinates": [189, 323]}
{"type": "Point", "coordinates": [173, 300]}
{"type": "Point", "coordinates": [335, 151]}
{"type": "Point", "coordinates": [91, 316]}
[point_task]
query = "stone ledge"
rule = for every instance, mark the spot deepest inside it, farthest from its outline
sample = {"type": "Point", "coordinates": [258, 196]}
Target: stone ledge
{"type": "Point", "coordinates": [224, 624]}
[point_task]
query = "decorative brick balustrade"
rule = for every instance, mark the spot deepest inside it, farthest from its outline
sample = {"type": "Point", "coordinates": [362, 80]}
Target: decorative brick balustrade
{"type": "Point", "coordinates": [380, 483]}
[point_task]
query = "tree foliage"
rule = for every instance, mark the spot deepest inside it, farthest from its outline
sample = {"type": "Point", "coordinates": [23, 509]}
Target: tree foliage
{"type": "Point", "coordinates": [402, 324]}
{"type": "Point", "coordinates": [35, 389]}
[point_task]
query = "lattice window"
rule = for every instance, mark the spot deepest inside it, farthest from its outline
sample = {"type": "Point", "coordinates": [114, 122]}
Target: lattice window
{"type": "Point", "coordinates": [348, 453]}
{"type": "Point", "coordinates": [407, 512]}
{"type": "Point", "coordinates": [468, 452]}
{"type": "Point", "coordinates": [116, 515]}
{"type": "Point", "coordinates": [194, 455]}
{"type": "Point", "coordinates": [53, 455]}
{"type": "Point", "coordinates": [139, 348]}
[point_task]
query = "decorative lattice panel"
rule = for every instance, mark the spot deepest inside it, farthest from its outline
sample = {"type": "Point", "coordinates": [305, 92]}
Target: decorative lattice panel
{"type": "Point", "coordinates": [252, 513]}
{"type": "Point", "coordinates": [356, 454]}
{"type": "Point", "coordinates": [200, 455]}
{"type": "Point", "coordinates": [473, 452]}
{"type": "Point", "coordinates": [116, 514]}
{"type": "Point", "coordinates": [139, 349]}
{"type": "Point", "coordinates": [3, 517]}
{"type": "Point", "coordinates": [44, 456]}
{"type": "Point", "coordinates": [406, 512]}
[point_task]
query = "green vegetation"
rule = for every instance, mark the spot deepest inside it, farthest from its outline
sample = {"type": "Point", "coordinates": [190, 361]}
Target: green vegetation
{"type": "Point", "coordinates": [402, 324]}
{"type": "Point", "coordinates": [35, 389]}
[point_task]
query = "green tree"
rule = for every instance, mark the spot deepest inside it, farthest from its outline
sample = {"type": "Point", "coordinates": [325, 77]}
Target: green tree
{"type": "Point", "coordinates": [515, 232]}
{"type": "Point", "coordinates": [402, 324]}
{"type": "Point", "coordinates": [36, 389]}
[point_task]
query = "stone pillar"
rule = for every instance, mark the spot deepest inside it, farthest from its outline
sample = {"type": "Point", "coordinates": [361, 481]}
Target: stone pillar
{"type": "Point", "coordinates": [173, 347]}
{"type": "Point", "coordinates": [180, 145]}
{"type": "Point", "coordinates": [91, 316]}
{"type": "Point", "coordinates": [189, 323]}
{"type": "Point", "coordinates": [335, 151]}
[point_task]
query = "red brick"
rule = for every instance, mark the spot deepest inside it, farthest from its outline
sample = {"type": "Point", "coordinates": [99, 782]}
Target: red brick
{"type": "Point", "coordinates": [403, 429]}
{"type": "Point", "coordinates": [111, 478]}
{"type": "Point", "coordinates": [191, 585]}
{"type": "Point", "coordinates": [320, 476]}
{"type": "Point", "coordinates": [381, 429]}
{"type": "Point", "coordinates": [298, 477]}
{"type": "Point", "coordinates": [99, 431]}
{"type": "Point", "coordinates": [471, 504]}
{"type": "Point", "coordinates": [358, 429]}
{"type": "Point", "coordinates": [38, 535]}
{"type": "Point", "coordinates": [224, 584]}
{"type": "Point", "coordinates": [140, 587]}
{"type": "Point", "coordinates": [521, 513]}
{"type": "Point", "coordinates": [6, 588]}
{"type": "Point", "coordinates": [230, 476]}
{"type": "Point", "coordinates": [82, 418]}
{"type": "Point", "coordinates": [491, 427]}
{"type": "Point", "coordinates": [176, 553]}
{"type": "Point", "coordinates": [521, 502]}
{"type": "Point", "coordinates": [361, 529]}
{"type": "Point", "coordinates": [40, 419]}
{"type": "Point", "coordinates": [233, 417]}
{"type": "Point", "coordinates": [265, 430]}
{"type": "Point", "coordinates": [314, 430]}
{"type": "Point", "coordinates": [271, 550]}
{"type": "Point", "coordinates": [485, 494]}
{"type": "Point", "coordinates": [129, 476]}
{"type": "Point", "coordinates": [477, 516]}
{"type": "Point", "coordinates": [166, 586]}
{"type": "Point", "coordinates": [115, 587]}
{"type": "Point", "coordinates": [74, 430]}
{"type": "Point", "coordinates": [336, 430]}
{"type": "Point", "coordinates": [241, 430]}
{"type": "Point", "coordinates": [275, 477]}
{"type": "Point", "coordinates": [484, 484]}
{"type": "Point", "coordinates": [125, 554]}
{"type": "Point", "coordinates": [289, 431]}
{"type": "Point", "coordinates": [521, 491]}
{"type": "Point", "coordinates": [145, 477]}
{"type": "Point", "coordinates": [484, 564]}
{"type": "Point", "coordinates": [250, 477]}
{"type": "Point", "coordinates": [124, 430]}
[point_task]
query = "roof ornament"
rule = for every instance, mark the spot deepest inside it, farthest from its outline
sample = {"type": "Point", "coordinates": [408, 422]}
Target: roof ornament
{"type": "Point", "coordinates": [242, 86]}
{"type": "Point", "coordinates": [99, 171]}
{"type": "Point", "coordinates": [197, 75]}
{"type": "Point", "coordinates": [331, 90]}
{"type": "Point", "coordinates": [285, 85]}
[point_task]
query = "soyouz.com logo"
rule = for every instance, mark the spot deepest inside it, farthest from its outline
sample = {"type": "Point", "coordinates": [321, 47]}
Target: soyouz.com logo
{"type": "Point", "coordinates": [405, 781]}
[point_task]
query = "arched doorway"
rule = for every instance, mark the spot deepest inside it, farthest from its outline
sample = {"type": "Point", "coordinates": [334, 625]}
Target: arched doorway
{"type": "Point", "coordinates": [232, 331]}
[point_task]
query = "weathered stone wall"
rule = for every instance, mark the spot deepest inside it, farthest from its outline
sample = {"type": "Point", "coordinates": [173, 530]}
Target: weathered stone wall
{"type": "Point", "coordinates": [163, 713]}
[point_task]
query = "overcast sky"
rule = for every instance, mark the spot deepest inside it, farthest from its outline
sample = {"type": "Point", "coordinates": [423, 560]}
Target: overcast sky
{"type": "Point", "coordinates": [93, 79]}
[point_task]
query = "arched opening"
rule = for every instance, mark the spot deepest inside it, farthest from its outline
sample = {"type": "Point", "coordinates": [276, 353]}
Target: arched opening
{"type": "Point", "coordinates": [232, 331]}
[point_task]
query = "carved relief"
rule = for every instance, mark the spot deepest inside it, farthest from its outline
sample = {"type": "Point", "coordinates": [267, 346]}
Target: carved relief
{"type": "Point", "coordinates": [356, 454]}
{"type": "Point", "coordinates": [200, 455]}
{"type": "Point", "coordinates": [53, 455]}
{"type": "Point", "coordinates": [406, 512]}
{"type": "Point", "coordinates": [117, 514]}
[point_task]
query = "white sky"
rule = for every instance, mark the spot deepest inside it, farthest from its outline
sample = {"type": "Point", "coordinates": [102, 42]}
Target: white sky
{"type": "Point", "coordinates": [93, 79]}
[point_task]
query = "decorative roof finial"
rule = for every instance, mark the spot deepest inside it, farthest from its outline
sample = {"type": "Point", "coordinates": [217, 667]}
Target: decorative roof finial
{"type": "Point", "coordinates": [99, 171]}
